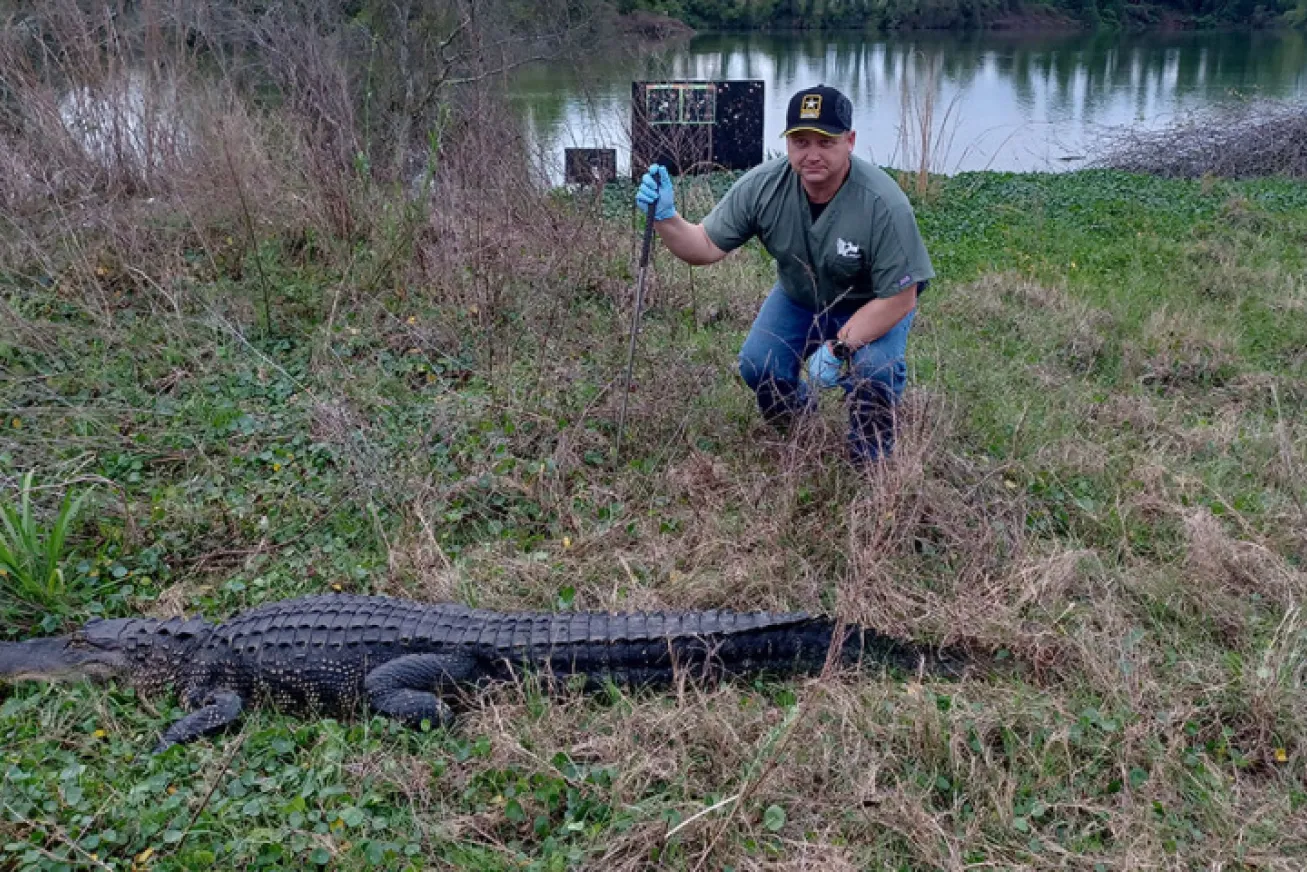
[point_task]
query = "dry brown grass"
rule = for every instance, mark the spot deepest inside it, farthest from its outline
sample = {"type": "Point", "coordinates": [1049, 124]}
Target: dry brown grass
{"type": "Point", "coordinates": [858, 767]}
{"type": "Point", "coordinates": [1072, 335]}
{"type": "Point", "coordinates": [1175, 350]}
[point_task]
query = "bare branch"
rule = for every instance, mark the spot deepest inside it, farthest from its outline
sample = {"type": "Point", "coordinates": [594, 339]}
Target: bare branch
{"type": "Point", "coordinates": [1259, 138]}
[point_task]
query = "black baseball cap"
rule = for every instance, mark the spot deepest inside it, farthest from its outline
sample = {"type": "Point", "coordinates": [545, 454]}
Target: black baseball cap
{"type": "Point", "coordinates": [821, 109]}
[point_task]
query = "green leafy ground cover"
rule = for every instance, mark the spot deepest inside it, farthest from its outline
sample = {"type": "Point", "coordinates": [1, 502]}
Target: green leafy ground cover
{"type": "Point", "coordinates": [1103, 479]}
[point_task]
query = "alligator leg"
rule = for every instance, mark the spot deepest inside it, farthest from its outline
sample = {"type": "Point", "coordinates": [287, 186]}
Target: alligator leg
{"type": "Point", "coordinates": [405, 688]}
{"type": "Point", "coordinates": [221, 707]}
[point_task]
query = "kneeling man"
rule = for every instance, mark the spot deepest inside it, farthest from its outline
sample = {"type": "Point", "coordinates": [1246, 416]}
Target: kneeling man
{"type": "Point", "coordinates": [849, 261]}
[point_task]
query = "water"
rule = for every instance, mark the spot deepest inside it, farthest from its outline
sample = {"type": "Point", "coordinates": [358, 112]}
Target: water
{"type": "Point", "coordinates": [1005, 101]}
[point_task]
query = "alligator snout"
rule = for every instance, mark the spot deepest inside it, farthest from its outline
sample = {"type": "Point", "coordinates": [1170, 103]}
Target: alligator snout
{"type": "Point", "coordinates": [55, 658]}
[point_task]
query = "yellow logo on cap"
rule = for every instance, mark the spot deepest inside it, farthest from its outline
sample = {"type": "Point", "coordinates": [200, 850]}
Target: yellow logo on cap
{"type": "Point", "coordinates": [811, 106]}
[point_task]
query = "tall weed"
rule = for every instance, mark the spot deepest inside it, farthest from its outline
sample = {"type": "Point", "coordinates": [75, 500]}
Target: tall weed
{"type": "Point", "coordinates": [31, 553]}
{"type": "Point", "coordinates": [148, 147]}
{"type": "Point", "coordinates": [926, 128]}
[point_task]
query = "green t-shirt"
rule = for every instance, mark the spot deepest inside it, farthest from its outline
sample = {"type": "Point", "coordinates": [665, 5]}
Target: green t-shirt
{"type": "Point", "coordinates": [864, 246]}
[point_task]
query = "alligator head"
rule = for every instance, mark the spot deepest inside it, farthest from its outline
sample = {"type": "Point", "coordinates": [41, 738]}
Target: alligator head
{"type": "Point", "coordinates": [103, 649]}
{"type": "Point", "coordinates": [71, 656]}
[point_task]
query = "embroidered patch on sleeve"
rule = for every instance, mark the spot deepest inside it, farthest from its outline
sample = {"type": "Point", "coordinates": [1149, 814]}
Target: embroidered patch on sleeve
{"type": "Point", "coordinates": [905, 281]}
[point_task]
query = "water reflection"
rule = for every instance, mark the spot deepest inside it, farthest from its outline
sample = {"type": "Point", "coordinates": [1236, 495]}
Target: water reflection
{"type": "Point", "coordinates": [1015, 101]}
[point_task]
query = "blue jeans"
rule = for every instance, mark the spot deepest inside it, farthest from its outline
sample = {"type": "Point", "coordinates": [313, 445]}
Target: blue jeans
{"type": "Point", "coordinates": [782, 337]}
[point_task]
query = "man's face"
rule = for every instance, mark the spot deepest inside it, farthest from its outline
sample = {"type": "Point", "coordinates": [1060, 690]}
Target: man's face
{"type": "Point", "coordinates": [817, 158]}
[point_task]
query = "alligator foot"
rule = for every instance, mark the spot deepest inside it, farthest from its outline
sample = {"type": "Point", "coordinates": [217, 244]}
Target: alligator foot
{"type": "Point", "coordinates": [413, 708]}
{"type": "Point", "coordinates": [221, 708]}
{"type": "Point", "coordinates": [405, 689]}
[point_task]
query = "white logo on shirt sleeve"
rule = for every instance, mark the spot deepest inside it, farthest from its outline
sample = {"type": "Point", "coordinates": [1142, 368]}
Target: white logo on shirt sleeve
{"type": "Point", "coordinates": [846, 249]}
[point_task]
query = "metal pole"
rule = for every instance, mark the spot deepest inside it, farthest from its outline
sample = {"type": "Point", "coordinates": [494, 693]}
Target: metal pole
{"type": "Point", "coordinates": [635, 325]}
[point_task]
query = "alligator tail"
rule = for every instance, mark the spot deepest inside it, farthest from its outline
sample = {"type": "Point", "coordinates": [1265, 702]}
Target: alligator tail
{"type": "Point", "coordinates": [809, 646]}
{"type": "Point", "coordinates": [867, 647]}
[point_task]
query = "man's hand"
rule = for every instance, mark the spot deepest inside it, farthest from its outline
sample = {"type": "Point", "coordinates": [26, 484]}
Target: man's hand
{"type": "Point", "coordinates": [689, 242]}
{"type": "Point", "coordinates": [656, 187]}
{"type": "Point", "coordinates": [824, 368]}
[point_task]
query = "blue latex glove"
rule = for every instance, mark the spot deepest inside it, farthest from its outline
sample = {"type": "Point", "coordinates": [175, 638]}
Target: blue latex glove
{"type": "Point", "coordinates": [656, 187]}
{"type": "Point", "coordinates": [824, 368]}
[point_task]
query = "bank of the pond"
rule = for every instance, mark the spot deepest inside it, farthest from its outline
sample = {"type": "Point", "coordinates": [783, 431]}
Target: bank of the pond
{"type": "Point", "coordinates": [874, 15]}
{"type": "Point", "coordinates": [1101, 481]}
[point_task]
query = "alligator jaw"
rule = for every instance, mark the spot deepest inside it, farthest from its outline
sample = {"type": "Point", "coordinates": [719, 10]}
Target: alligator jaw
{"type": "Point", "coordinates": [60, 657]}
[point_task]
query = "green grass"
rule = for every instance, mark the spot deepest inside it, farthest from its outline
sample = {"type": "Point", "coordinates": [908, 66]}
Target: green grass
{"type": "Point", "coordinates": [32, 553]}
{"type": "Point", "coordinates": [1103, 478]}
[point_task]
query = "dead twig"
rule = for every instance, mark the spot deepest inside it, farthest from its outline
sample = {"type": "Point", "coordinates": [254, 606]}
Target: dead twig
{"type": "Point", "coordinates": [1246, 140]}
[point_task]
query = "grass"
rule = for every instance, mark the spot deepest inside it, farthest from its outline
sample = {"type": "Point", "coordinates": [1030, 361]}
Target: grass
{"type": "Point", "coordinates": [1103, 479]}
{"type": "Point", "coordinates": [31, 554]}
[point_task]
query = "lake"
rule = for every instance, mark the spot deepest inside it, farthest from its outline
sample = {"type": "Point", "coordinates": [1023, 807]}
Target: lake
{"type": "Point", "coordinates": [1001, 100]}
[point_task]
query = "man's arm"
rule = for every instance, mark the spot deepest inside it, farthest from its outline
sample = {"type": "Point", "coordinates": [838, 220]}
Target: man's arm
{"type": "Point", "coordinates": [877, 317]}
{"type": "Point", "coordinates": [689, 242]}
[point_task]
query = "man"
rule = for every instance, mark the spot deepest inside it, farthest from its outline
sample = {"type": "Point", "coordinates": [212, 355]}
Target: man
{"type": "Point", "coordinates": [849, 261]}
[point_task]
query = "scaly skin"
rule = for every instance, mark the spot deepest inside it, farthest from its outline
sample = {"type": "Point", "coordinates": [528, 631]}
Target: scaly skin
{"type": "Point", "coordinates": [330, 654]}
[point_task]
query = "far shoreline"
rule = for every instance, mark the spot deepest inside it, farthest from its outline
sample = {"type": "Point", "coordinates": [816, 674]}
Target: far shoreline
{"type": "Point", "coordinates": [658, 27]}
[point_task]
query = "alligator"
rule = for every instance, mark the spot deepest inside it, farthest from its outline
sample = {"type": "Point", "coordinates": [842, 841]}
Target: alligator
{"type": "Point", "coordinates": [331, 654]}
